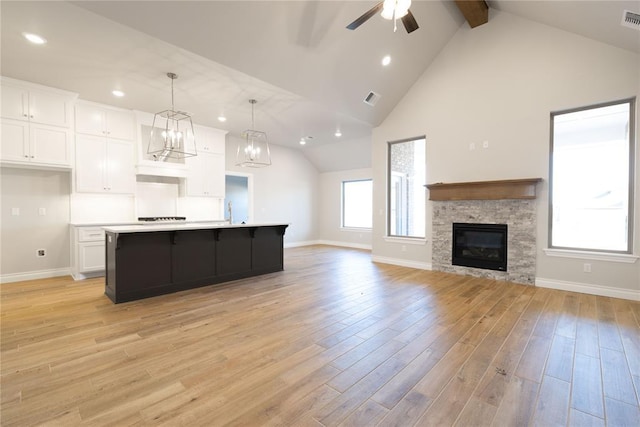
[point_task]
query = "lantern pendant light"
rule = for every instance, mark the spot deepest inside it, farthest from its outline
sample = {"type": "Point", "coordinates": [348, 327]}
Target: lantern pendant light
{"type": "Point", "coordinates": [253, 150]}
{"type": "Point", "coordinates": [172, 133]}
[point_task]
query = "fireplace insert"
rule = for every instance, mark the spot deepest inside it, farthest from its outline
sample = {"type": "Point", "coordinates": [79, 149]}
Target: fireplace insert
{"type": "Point", "coordinates": [480, 246]}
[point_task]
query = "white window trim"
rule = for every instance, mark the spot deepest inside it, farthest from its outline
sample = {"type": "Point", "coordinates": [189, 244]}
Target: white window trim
{"type": "Point", "coordinates": [405, 240]}
{"type": "Point", "coordinates": [593, 256]}
{"type": "Point", "coordinates": [356, 229]}
{"type": "Point", "coordinates": [352, 228]}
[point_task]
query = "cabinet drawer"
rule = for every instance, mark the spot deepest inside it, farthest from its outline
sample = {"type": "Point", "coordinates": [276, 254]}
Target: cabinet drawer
{"type": "Point", "coordinates": [90, 234]}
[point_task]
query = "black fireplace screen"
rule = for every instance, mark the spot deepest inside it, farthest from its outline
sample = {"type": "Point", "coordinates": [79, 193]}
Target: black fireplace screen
{"type": "Point", "coordinates": [480, 246]}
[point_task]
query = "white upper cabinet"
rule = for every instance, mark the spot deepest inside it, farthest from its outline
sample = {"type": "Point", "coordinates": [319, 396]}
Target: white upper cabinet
{"type": "Point", "coordinates": [104, 166]}
{"type": "Point", "coordinates": [94, 119]}
{"type": "Point", "coordinates": [35, 124]}
{"type": "Point", "coordinates": [36, 105]}
{"type": "Point", "coordinates": [206, 174]}
{"type": "Point", "coordinates": [104, 149]}
{"type": "Point", "coordinates": [209, 140]}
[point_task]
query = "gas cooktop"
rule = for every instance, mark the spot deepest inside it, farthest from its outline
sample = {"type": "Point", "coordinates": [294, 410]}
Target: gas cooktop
{"type": "Point", "coordinates": [146, 219]}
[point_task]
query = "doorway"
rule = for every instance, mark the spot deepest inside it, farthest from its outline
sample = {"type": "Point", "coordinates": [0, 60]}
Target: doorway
{"type": "Point", "coordinates": [238, 192]}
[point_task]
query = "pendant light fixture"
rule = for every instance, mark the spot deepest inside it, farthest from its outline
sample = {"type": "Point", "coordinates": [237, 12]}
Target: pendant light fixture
{"type": "Point", "coordinates": [172, 133]}
{"type": "Point", "coordinates": [253, 151]}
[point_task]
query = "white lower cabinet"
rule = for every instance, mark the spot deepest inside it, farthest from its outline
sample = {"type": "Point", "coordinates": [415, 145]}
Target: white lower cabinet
{"type": "Point", "coordinates": [91, 256]}
{"type": "Point", "coordinates": [87, 252]}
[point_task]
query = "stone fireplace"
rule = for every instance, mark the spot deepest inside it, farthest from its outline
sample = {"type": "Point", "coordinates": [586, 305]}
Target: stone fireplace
{"type": "Point", "coordinates": [509, 202]}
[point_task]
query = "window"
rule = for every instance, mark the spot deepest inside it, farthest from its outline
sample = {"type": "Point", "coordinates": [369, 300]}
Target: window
{"type": "Point", "coordinates": [406, 193]}
{"type": "Point", "coordinates": [357, 204]}
{"type": "Point", "coordinates": [591, 185]}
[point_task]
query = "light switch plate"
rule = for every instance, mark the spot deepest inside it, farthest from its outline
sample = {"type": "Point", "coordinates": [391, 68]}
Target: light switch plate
{"type": "Point", "coordinates": [15, 211]}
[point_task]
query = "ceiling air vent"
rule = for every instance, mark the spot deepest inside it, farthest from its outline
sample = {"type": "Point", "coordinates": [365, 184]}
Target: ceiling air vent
{"type": "Point", "coordinates": [372, 98]}
{"type": "Point", "coordinates": [631, 20]}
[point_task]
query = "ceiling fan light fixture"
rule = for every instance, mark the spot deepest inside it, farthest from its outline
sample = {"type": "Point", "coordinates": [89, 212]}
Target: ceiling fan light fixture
{"type": "Point", "coordinates": [395, 9]}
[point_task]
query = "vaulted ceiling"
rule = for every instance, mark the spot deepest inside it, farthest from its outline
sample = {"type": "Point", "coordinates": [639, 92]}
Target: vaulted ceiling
{"type": "Point", "coordinates": [308, 73]}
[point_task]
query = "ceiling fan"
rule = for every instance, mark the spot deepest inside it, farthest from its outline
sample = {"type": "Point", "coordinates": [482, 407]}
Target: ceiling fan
{"type": "Point", "coordinates": [391, 10]}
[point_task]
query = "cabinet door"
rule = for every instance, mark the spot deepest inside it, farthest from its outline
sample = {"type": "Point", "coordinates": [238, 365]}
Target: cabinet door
{"type": "Point", "coordinates": [217, 142]}
{"type": "Point", "coordinates": [48, 108]}
{"type": "Point", "coordinates": [15, 141]}
{"type": "Point", "coordinates": [90, 164]}
{"type": "Point", "coordinates": [209, 140]}
{"type": "Point", "coordinates": [193, 256]}
{"type": "Point", "coordinates": [120, 124]}
{"type": "Point", "coordinates": [90, 120]}
{"type": "Point", "coordinates": [14, 103]}
{"type": "Point", "coordinates": [213, 175]}
{"type": "Point", "coordinates": [50, 145]}
{"type": "Point", "coordinates": [120, 169]}
{"type": "Point", "coordinates": [195, 185]}
{"type": "Point", "coordinates": [91, 256]}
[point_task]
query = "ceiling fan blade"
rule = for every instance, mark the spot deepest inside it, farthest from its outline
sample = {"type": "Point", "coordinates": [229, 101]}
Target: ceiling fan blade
{"type": "Point", "coordinates": [365, 17]}
{"type": "Point", "coordinates": [410, 23]}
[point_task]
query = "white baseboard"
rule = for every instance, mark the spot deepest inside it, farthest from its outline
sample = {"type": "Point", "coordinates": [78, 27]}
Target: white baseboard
{"type": "Point", "coordinates": [90, 275]}
{"type": "Point", "coordinates": [344, 244]}
{"type": "Point", "coordinates": [33, 275]}
{"type": "Point", "coordinates": [401, 262]}
{"type": "Point", "coordinates": [586, 288]}
{"type": "Point", "coordinates": [303, 243]}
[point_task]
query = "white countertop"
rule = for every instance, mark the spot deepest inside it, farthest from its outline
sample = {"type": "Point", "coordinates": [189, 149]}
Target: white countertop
{"type": "Point", "coordinates": [134, 222]}
{"type": "Point", "coordinates": [186, 226]}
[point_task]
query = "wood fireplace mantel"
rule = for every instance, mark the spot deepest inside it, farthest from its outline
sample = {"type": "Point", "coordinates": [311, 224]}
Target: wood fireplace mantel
{"type": "Point", "coordinates": [485, 190]}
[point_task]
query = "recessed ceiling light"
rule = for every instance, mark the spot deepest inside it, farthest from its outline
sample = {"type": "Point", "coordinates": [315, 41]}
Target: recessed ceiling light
{"type": "Point", "coordinates": [338, 134]}
{"type": "Point", "coordinates": [34, 38]}
{"type": "Point", "coordinates": [117, 93]}
{"type": "Point", "coordinates": [386, 60]}
{"type": "Point", "coordinates": [222, 119]}
{"type": "Point", "coordinates": [302, 141]}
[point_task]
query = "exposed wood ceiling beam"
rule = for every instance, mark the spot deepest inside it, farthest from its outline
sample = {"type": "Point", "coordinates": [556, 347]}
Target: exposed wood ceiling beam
{"type": "Point", "coordinates": [476, 12]}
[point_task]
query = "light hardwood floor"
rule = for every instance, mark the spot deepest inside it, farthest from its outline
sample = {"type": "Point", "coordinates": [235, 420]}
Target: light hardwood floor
{"type": "Point", "coordinates": [333, 340]}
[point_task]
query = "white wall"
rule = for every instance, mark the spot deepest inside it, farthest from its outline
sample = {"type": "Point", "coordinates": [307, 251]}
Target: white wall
{"type": "Point", "coordinates": [499, 82]}
{"type": "Point", "coordinates": [340, 156]}
{"type": "Point", "coordinates": [29, 190]}
{"type": "Point", "coordinates": [284, 192]}
{"type": "Point", "coordinates": [330, 229]}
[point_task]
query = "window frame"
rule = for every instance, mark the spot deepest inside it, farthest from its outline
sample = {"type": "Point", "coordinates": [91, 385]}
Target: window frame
{"type": "Point", "coordinates": [388, 235]}
{"type": "Point", "coordinates": [342, 205]}
{"type": "Point", "coordinates": [632, 172]}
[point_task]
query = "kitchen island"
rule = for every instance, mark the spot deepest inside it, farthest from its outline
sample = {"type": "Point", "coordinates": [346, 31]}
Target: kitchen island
{"type": "Point", "coordinates": [148, 260]}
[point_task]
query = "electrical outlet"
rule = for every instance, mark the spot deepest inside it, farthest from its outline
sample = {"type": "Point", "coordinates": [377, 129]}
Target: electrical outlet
{"type": "Point", "coordinates": [41, 253]}
{"type": "Point", "coordinates": [42, 211]}
{"type": "Point", "coordinates": [472, 146]}
{"type": "Point", "coordinates": [586, 267]}
{"type": "Point", "coordinates": [485, 144]}
{"type": "Point", "coordinates": [404, 248]}
{"type": "Point", "coordinates": [15, 211]}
